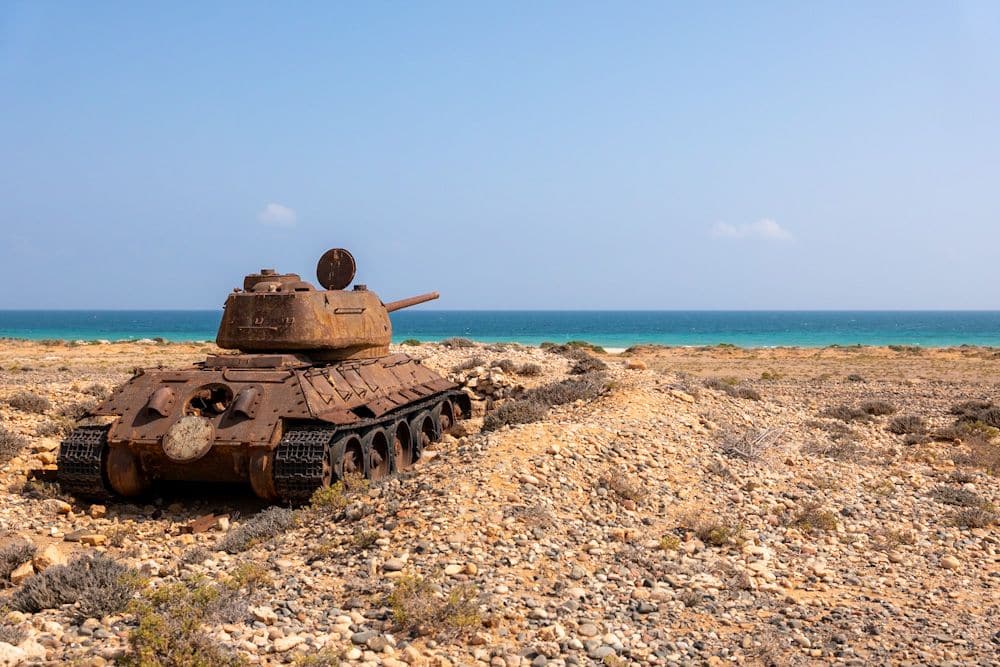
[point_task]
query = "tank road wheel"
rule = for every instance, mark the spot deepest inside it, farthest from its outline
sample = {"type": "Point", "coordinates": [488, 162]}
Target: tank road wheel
{"type": "Point", "coordinates": [348, 460]}
{"type": "Point", "coordinates": [402, 447]}
{"type": "Point", "coordinates": [302, 462]}
{"type": "Point", "coordinates": [448, 414]}
{"type": "Point", "coordinates": [376, 447]}
{"type": "Point", "coordinates": [81, 463]}
{"type": "Point", "coordinates": [425, 428]}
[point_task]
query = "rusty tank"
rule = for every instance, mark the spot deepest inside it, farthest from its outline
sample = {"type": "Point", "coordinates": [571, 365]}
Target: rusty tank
{"type": "Point", "coordinates": [311, 395]}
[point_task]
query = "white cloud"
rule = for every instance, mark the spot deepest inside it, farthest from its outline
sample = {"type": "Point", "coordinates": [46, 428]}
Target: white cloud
{"type": "Point", "coordinates": [277, 215]}
{"type": "Point", "coordinates": [765, 229]}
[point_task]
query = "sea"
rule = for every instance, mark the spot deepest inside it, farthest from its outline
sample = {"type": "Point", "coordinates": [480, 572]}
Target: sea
{"type": "Point", "coordinates": [610, 329]}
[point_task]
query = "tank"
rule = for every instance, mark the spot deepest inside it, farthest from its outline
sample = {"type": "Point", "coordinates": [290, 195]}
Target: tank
{"type": "Point", "coordinates": [310, 395]}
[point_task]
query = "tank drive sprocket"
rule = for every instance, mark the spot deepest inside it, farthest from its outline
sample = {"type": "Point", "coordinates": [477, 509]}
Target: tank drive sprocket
{"type": "Point", "coordinates": [302, 462]}
{"type": "Point", "coordinates": [81, 462]}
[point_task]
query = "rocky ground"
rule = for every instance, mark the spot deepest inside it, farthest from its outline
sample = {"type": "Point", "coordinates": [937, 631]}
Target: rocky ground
{"type": "Point", "coordinates": [708, 506]}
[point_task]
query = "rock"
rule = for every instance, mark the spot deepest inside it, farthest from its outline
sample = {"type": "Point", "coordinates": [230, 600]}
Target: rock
{"type": "Point", "coordinates": [22, 572]}
{"type": "Point", "coordinates": [98, 511]}
{"type": "Point", "coordinates": [49, 556]}
{"type": "Point", "coordinates": [361, 638]}
{"type": "Point", "coordinates": [393, 565]}
{"type": "Point", "coordinates": [93, 539]}
{"type": "Point", "coordinates": [635, 365]}
{"type": "Point", "coordinates": [682, 395]}
{"type": "Point", "coordinates": [283, 644]}
{"type": "Point", "coordinates": [10, 656]}
{"type": "Point", "coordinates": [950, 563]}
{"type": "Point", "coordinates": [56, 506]}
{"type": "Point", "coordinates": [32, 649]}
{"type": "Point", "coordinates": [453, 569]}
{"type": "Point", "coordinates": [264, 614]}
{"type": "Point", "coordinates": [588, 630]}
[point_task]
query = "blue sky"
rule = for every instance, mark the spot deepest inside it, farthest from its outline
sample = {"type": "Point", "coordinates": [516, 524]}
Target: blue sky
{"type": "Point", "coordinates": [511, 155]}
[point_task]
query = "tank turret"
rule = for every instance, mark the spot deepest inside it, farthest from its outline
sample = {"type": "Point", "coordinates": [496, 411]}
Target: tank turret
{"type": "Point", "coordinates": [282, 313]}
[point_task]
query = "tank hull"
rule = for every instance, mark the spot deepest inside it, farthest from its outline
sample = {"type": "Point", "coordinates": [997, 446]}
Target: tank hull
{"type": "Point", "coordinates": [281, 423]}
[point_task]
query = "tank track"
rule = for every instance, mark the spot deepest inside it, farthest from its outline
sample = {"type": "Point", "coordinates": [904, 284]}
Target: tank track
{"type": "Point", "coordinates": [80, 462]}
{"type": "Point", "coordinates": [299, 459]}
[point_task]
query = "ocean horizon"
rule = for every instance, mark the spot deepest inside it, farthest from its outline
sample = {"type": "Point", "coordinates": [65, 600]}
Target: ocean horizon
{"type": "Point", "coordinates": [608, 328]}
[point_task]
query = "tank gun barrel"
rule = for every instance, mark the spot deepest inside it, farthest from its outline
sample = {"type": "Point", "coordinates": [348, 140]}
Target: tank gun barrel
{"type": "Point", "coordinates": [412, 301]}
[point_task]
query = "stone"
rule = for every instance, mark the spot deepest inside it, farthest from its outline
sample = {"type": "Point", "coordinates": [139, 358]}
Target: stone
{"type": "Point", "coordinates": [283, 644]}
{"type": "Point", "coordinates": [453, 569]}
{"type": "Point", "coordinates": [49, 556]}
{"type": "Point", "coordinates": [56, 506]}
{"type": "Point", "coordinates": [361, 638]}
{"type": "Point", "coordinates": [393, 565]}
{"type": "Point", "coordinates": [950, 563]}
{"type": "Point", "coordinates": [264, 614]}
{"type": "Point", "coordinates": [588, 630]}
{"type": "Point", "coordinates": [93, 539]}
{"type": "Point", "coordinates": [635, 365]}
{"type": "Point", "coordinates": [22, 572]}
{"type": "Point", "coordinates": [98, 511]}
{"type": "Point", "coordinates": [10, 656]}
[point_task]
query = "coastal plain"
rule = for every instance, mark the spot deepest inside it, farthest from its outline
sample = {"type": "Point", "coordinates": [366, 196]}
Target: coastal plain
{"type": "Point", "coordinates": [712, 505]}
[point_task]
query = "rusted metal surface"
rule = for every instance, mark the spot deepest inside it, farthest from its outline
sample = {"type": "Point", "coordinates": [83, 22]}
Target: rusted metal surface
{"type": "Point", "coordinates": [312, 396]}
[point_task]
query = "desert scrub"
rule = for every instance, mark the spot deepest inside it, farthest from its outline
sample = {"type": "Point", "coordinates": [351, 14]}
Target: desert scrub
{"type": "Point", "coordinates": [27, 401]}
{"type": "Point", "coordinates": [468, 364]}
{"type": "Point", "coordinates": [751, 445]}
{"type": "Point", "coordinates": [970, 409]}
{"type": "Point", "coordinates": [421, 607]}
{"type": "Point", "coordinates": [586, 387]}
{"type": "Point", "coordinates": [196, 555]}
{"type": "Point", "coordinates": [586, 365]}
{"type": "Point", "coordinates": [982, 453]}
{"type": "Point", "coordinates": [78, 410]}
{"type": "Point", "coordinates": [878, 408]}
{"type": "Point", "coordinates": [97, 390]}
{"type": "Point", "coordinates": [975, 517]}
{"type": "Point", "coordinates": [411, 342]}
{"type": "Point", "coordinates": [529, 370]}
{"type": "Point", "coordinates": [711, 530]}
{"type": "Point", "coordinates": [11, 634]}
{"type": "Point", "coordinates": [732, 387]}
{"type": "Point", "coordinates": [50, 428]}
{"type": "Point", "coordinates": [458, 342]}
{"type": "Point", "coordinates": [97, 584]}
{"type": "Point", "coordinates": [169, 622]}
{"type": "Point", "coordinates": [669, 542]}
{"type": "Point", "coordinates": [11, 444]}
{"type": "Point", "coordinates": [37, 489]}
{"type": "Point", "coordinates": [523, 411]}
{"type": "Point", "coordinates": [622, 486]}
{"type": "Point", "coordinates": [328, 657]}
{"type": "Point", "coordinates": [13, 555]}
{"type": "Point", "coordinates": [907, 425]}
{"type": "Point", "coordinates": [812, 517]}
{"type": "Point", "coordinates": [506, 365]}
{"type": "Point", "coordinates": [854, 377]}
{"type": "Point", "coordinates": [258, 529]}
{"type": "Point", "coordinates": [364, 539]}
{"type": "Point", "coordinates": [847, 413]}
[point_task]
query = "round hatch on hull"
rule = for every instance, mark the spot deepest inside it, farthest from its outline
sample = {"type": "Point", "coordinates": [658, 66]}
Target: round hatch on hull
{"type": "Point", "coordinates": [189, 439]}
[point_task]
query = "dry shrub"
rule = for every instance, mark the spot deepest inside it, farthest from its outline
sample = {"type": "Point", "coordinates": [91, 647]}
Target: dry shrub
{"type": "Point", "coordinates": [812, 517]}
{"type": "Point", "coordinates": [990, 417]}
{"type": "Point", "coordinates": [258, 529]}
{"type": "Point", "coordinates": [888, 539]}
{"type": "Point", "coordinates": [970, 408]}
{"type": "Point", "coordinates": [907, 425]}
{"type": "Point", "coordinates": [458, 342]}
{"type": "Point", "coordinates": [79, 409]}
{"type": "Point", "coordinates": [50, 428]}
{"type": "Point", "coordinates": [732, 387]}
{"type": "Point", "coordinates": [11, 444]}
{"type": "Point", "coordinates": [506, 365]}
{"type": "Point", "coordinates": [411, 342]}
{"type": "Point", "coordinates": [586, 387]}
{"type": "Point", "coordinates": [847, 413]}
{"type": "Point", "coordinates": [97, 584]}
{"type": "Point", "coordinates": [975, 517]}
{"type": "Point", "coordinates": [838, 450]}
{"type": "Point", "coordinates": [468, 364]}
{"type": "Point", "coordinates": [982, 453]}
{"type": "Point", "coordinates": [623, 486]}
{"type": "Point", "coordinates": [97, 390]}
{"type": "Point", "coordinates": [12, 634]}
{"type": "Point", "coordinates": [587, 365]}
{"type": "Point", "coordinates": [751, 445]}
{"type": "Point", "coordinates": [13, 555]}
{"type": "Point", "coordinates": [529, 370]}
{"type": "Point", "coordinates": [854, 377]}
{"type": "Point", "coordinates": [170, 622]}
{"type": "Point", "coordinates": [523, 411]}
{"type": "Point", "coordinates": [421, 607]}
{"type": "Point", "coordinates": [711, 530]}
{"type": "Point", "coordinates": [878, 408]}
{"type": "Point", "coordinates": [959, 497]}
{"type": "Point", "coordinates": [27, 401]}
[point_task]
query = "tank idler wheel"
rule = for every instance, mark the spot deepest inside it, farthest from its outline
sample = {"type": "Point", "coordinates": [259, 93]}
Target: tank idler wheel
{"type": "Point", "coordinates": [402, 446]}
{"type": "Point", "coordinates": [376, 449]}
{"type": "Point", "coordinates": [425, 428]}
{"type": "Point", "coordinates": [347, 460]}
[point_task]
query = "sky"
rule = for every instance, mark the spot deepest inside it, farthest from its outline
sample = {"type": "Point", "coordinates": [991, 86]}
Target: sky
{"type": "Point", "coordinates": [512, 155]}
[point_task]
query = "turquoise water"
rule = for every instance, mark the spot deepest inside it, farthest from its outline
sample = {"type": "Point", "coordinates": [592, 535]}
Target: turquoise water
{"type": "Point", "coordinates": [607, 328]}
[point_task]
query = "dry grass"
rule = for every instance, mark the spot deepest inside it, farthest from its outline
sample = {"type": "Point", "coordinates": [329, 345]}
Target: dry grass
{"type": "Point", "coordinates": [523, 411]}
{"type": "Point", "coordinates": [529, 370]}
{"type": "Point", "coordinates": [422, 607]}
{"type": "Point", "coordinates": [752, 445]}
{"type": "Point", "coordinates": [622, 486]}
{"type": "Point", "coordinates": [11, 444]}
{"type": "Point", "coordinates": [813, 517]}
{"type": "Point", "coordinates": [907, 425]}
{"type": "Point", "coordinates": [878, 408]}
{"type": "Point", "coordinates": [27, 401]}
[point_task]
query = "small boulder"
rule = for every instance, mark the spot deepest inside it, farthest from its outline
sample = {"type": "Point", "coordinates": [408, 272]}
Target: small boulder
{"type": "Point", "coordinates": [49, 556]}
{"type": "Point", "coordinates": [22, 572]}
